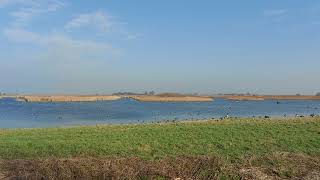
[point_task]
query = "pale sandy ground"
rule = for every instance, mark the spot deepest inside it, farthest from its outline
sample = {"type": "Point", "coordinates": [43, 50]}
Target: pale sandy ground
{"type": "Point", "coordinates": [172, 98]}
{"type": "Point", "coordinates": [67, 98]}
{"type": "Point", "coordinates": [155, 98]}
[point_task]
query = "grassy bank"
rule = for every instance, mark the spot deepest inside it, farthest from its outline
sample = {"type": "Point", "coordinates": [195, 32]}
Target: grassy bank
{"type": "Point", "coordinates": [229, 139]}
{"type": "Point", "coordinates": [228, 149]}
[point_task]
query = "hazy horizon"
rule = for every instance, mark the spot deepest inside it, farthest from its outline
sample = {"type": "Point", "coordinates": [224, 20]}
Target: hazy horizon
{"type": "Point", "coordinates": [207, 47]}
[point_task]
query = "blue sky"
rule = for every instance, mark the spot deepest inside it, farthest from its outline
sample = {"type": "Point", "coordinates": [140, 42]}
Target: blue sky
{"type": "Point", "coordinates": [207, 46]}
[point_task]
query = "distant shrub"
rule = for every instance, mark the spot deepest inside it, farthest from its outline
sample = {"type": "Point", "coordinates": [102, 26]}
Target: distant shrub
{"type": "Point", "coordinates": [170, 95]}
{"type": "Point", "coordinates": [318, 94]}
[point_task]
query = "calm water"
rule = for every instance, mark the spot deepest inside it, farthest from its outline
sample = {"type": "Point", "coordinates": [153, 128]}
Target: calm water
{"type": "Point", "coordinates": [15, 114]}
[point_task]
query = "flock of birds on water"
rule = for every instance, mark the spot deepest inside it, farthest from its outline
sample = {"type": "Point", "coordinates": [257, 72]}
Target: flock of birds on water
{"type": "Point", "coordinates": [157, 118]}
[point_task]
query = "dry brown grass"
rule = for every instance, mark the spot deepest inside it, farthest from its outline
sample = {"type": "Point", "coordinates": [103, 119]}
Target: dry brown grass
{"type": "Point", "coordinates": [288, 97]}
{"type": "Point", "coordinates": [67, 98]}
{"type": "Point", "coordinates": [244, 98]}
{"type": "Point", "coordinates": [171, 95]}
{"type": "Point", "coordinates": [281, 166]}
{"type": "Point", "coordinates": [116, 168]}
{"type": "Point", "coordinates": [146, 98]}
{"type": "Point", "coordinates": [274, 166]}
{"type": "Point", "coordinates": [269, 97]}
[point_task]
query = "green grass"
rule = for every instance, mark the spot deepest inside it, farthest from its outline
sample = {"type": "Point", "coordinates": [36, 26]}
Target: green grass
{"type": "Point", "coordinates": [229, 139]}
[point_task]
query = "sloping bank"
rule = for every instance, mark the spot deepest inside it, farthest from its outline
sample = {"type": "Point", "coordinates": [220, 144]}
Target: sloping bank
{"type": "Point", "coordinates": [243, 148]}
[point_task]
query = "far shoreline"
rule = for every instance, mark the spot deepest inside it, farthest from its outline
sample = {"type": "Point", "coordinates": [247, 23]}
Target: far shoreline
{"type": "Point", "coordinates": [155, 98]}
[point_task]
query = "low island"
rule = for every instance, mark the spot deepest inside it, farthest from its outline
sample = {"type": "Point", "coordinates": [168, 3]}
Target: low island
{"type": "Point", "coordinates": [268, 97]}
{"type": "Point", "coordinates": [67, 98]}
{"type": "Point", "coordinates": [172, 98]}
{"type": "Point", "coordinates": [166, 97]}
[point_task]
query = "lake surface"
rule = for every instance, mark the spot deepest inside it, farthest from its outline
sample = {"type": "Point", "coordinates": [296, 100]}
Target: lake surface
{"type": "Point", "coordinates": [14, 114]}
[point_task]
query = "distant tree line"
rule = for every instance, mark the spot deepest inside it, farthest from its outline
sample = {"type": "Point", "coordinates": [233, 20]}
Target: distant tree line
{"type": "Point", "coordinates": [239, 94]}
{"type": "Point", "coordinates": [168, 94]}
{"type": "Point", "coordinates": [152, 93]}
{"type": "Point", "coordinates": [126, 93]}
{"type": "Point", "coordinates": [133, 93]}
